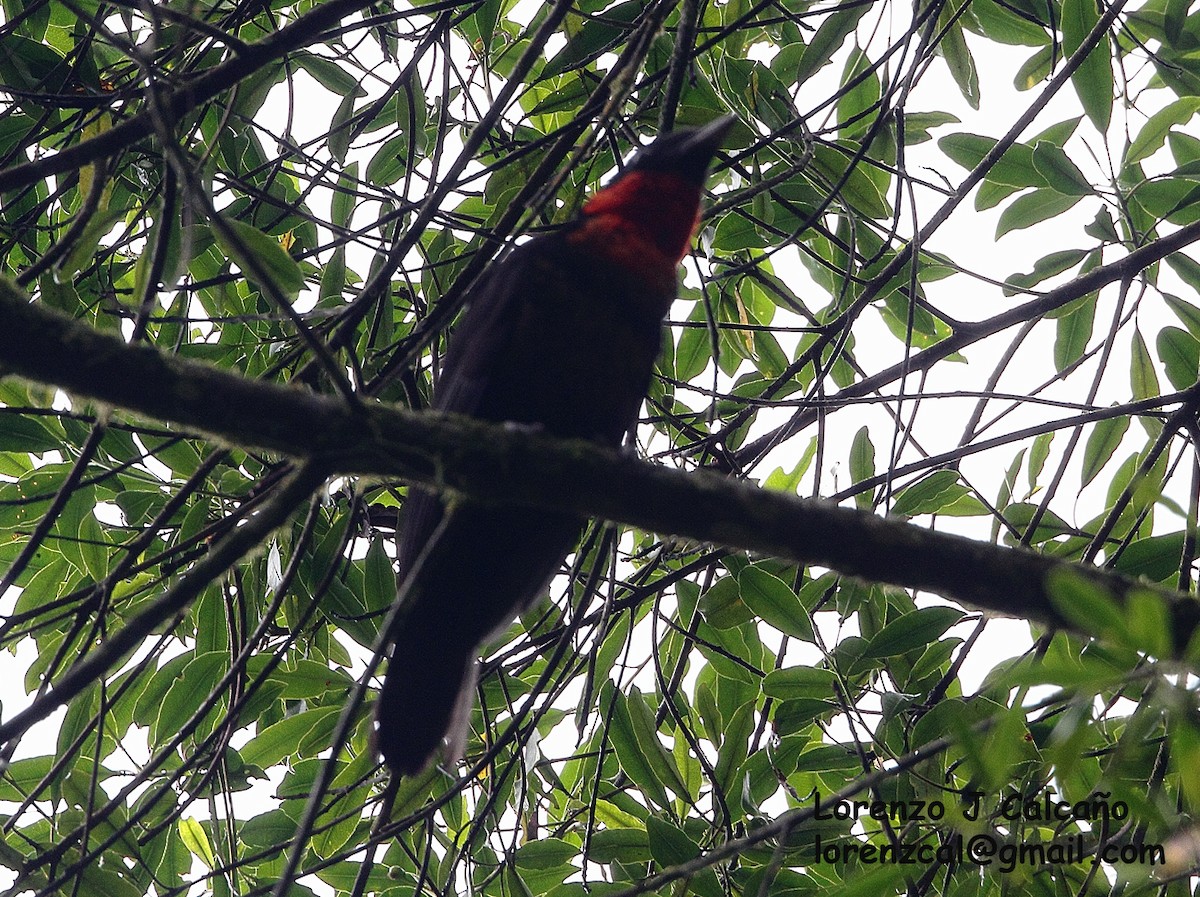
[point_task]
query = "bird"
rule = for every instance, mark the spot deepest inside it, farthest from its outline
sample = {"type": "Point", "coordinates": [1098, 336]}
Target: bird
{"type": "Point", "coordinates": [561, 337]}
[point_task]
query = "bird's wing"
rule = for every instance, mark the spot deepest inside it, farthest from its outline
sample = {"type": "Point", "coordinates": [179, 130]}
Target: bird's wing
{"type": "Point", "coordinates": [493, 313]}
{"type": "Point", "coordinates": [485, 329]}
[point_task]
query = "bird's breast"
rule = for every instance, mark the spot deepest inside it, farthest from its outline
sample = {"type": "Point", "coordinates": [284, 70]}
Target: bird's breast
{"type": "Point", "coordinates": [629, 249]}
{"type": "Point", "coordinates": [581, 354]}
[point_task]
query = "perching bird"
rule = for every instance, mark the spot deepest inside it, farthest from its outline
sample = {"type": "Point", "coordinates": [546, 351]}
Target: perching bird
{"type": "Point", "coordinates": [563, 336]}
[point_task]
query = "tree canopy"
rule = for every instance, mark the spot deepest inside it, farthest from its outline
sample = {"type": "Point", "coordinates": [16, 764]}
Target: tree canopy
{"type": "Point", "coordinates": [935, 359]}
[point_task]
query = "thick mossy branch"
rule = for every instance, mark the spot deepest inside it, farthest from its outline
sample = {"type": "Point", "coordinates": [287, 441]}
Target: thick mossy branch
{"type": "Point", "coordinates": [511, 464]}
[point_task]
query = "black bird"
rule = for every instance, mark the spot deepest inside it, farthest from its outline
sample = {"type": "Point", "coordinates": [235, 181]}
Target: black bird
{"type": "Point", "coordinates": [562, 336]}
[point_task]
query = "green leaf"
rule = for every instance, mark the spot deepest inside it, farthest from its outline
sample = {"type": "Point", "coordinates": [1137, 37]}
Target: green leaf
{"type": "Point", "coordinates": [589, 39]}
{"type": "Point", "coordinates": [795, 716]}
{"type": "Point", "coordinates": [917, 125]}
{"type": "Point", "coordinates": [196, 839]}
{"type": "Point", "coordinates": [829, 38]}
{"type": "Point", "coordinates": [340, 130]}
{"type": "Point", "coordinates": [545, 853]}
{"type": "Point", "coordinates": [1013, 169]}
{"type": "Point", "coordinates": [80, 715]}
{"type": "Point", "coordinates": [1083, 601]}
{"type": "Point", "coordinates": [735, 232]}
{"type": "Point", "coordinates": [1087, 673]}
{"type": "Point", "coordinates": [284, 738]}
{"type": "Point", "coordinates": [1074, 331]}
{"type": "Point", "coordinates": [912, 630]}
{"type": "Point", "coordinates": [1187, 312]}
{"type": "Point", "coordinates": [1045, 267]}
{"type": "Point", "coordinates": [267, 830]}
{"type": "Point", "coordinates": [721, 604]}
{"type": "Point", "coordinates": [966, 506]}
{"type": "Point", "coordinates": [1157, 558]}
{"type": "Point", "coordinates": [856, 102]}
{"type": "Point", "coordinates": [32, 66]}
{"type": "Point", "coordinates": [1148, 624]}
{"type": "Point", "coordinates": [1180, 355]}
{"type": "Point", "coordinates": [1102, 444]}
{"type": "Point", "coordinates": [828, 758]}
{"type": "Point", "coordinates": [345, 196]}
{"type": "Point", "coordinates": [1093, 80]}
{"type": "Point", "coordinates": [1032, 208]}
{"type": "Point", "coordinates": [251, 243]}
{"type": "Point", "coordinates": [174, 263]}
{"type": "Point", "coordinates": [929, 495]}
{"type": "Point", "coordinates": [1171, 199]}
{"type": "Point", "coordinates": [625, 845]}
{"type": "Point", "coordinates": [252, 93]}
{"type": "Point", "coordinates": [149, 702]}
{"type": "Point", "coordinates": [97, 880]}
{"type": "Point", "coordinates": [694, 350]}
{"type": "Point", "coordinates": [14, 128]}
{"type": "Point", "coordinates": [333, 277]}
{"type": "Point", "coordinates": [862, 464]}
{"type": "Point", "coordinates": [390, 161]}
{"type": "Point", "coordinates": [329, 74]}
{"type": "Point", "coordinates": [734, 739]}
{"type": "Point", "coordinates": [1185, 148]}
{"type": "Point", "coordinates": [85, 248]}
{"type": "Point", "coordinates": [934, 660]}
{"type": "Point", "coordinates": [668, 845]}
{"type": "Point", "coordinates": [781, 480]}
{"type": "Point", "coordinates": [342, 811]}
{"type": "Point", "coordinates": [72, 524]}
{"type": "Point", "coordinates": [774, 602]}
{"type": "Point", "coordinates": [1038, 454]}
{"type": "Point", "coordinates": [379, 578]}
{"type": "Point", "coordinates": [857, 188]}
{"type": "Point", "coordinates": [953, 47]}
{"type": "Point", "coordinates": [661, 762]}
{"type": "Point", "coordinates": [1059, 132]}
{"type": "Point", "coordinates": [1143, 378]}
{"type": "Point", "coordinates": [1174, 19]}
{"type": "Point", "coordinates": [1005, 492]}
{"type": "Point", "coordinates": [21, 776]}
{"type": "Point", "coordinates": [412, 113]}
{"type": "Point", "coordinates": [21, 433]}
{"type": "Point", "coordinates": [187, 692]}
{"type": "Point", "coordinates": [792, 683]}
{"type": "Point", "coordinates": [630, 753]}
{"type": "Point", "coordinates": [308, 679]}
{"type": "Point", "coordinates": [1034, 70]}
{"type": "Point", "coordinates": [1102, 227]}
{"type": "Point", "coordinates": [1001, 23]}
{"type": "Point", "coordinates": [1020, 515]}
{"type": "Point", "coordinates": [1060, 172]}
{"type": "Point", "coordinates": [486, 20]}
{"type": "Point", "coordinates": [1154, 132]}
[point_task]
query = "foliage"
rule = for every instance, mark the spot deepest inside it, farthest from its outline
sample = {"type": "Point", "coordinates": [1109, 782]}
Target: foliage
{"type": "Point", "coordinates": [304, 192]}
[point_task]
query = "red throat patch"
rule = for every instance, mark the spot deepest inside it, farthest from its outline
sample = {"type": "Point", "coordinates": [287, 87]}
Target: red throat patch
{"type": "Point", "coordinates": [657, 208]}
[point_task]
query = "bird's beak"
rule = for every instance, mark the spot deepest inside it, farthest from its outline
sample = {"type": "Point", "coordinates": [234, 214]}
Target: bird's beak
{"type": "Point", "coordinates": [705, 139]}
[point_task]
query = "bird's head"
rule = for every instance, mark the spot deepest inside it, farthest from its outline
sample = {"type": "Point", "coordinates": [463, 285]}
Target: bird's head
{"type": "Point", "coordinates": [686, 153]}
{"type": "Point", "coordinates": [657, 194]}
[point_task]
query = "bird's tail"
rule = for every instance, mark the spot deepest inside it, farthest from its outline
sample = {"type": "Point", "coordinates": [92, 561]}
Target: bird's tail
{"type": "Point", "coordinates": [427, 697]}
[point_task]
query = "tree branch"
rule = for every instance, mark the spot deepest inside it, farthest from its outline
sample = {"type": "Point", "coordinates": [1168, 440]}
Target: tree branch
{"type": "Point", "coordinates": [513, 465]}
